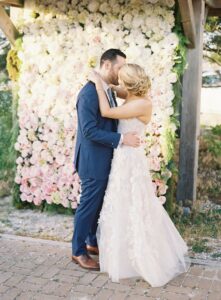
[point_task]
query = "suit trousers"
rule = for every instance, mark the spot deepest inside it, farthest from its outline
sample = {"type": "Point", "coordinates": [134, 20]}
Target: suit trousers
{"type": "Point", "coordinates": [87, 214]}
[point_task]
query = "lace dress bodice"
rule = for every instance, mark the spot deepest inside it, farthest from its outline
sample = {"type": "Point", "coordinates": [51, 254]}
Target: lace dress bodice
{"type": "Point", "coordinates": [128, 125]}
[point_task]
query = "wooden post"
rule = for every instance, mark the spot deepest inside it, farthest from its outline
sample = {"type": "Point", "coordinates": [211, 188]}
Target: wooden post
{"type": "Point", "coordinates": [7, 26]}
{"type": "Point", "coordinates": [190, 112]}
{"type": "Point", "coordinates": [187, 14]}
{"type": "Point", "coordinates": [17, 3]}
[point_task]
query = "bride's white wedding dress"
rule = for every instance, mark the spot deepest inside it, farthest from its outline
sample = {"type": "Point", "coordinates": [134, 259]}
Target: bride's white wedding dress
{"type": "Point", "coordinates": [136, 236]}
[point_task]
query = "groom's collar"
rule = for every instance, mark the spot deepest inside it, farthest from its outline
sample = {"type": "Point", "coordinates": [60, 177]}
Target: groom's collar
{"type": "Point", "coordinates": [105, 85]}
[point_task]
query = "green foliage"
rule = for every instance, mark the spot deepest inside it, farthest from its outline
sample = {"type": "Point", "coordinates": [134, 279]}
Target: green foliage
{"type": "Point", "coordinates": [212, 44]}
{"type": "Point", "coordinates": [213, 24]}
{"type": "Point", "coordinates": [5, 132]}
{"type": "Point", "coordinates": [6, 163]}
{"type": "Point", "coordinates": [178, 69]}
{"type": "Point", "coordinates": [198, 225]}
{"type": "Point", "coordinates": [199, 246]}
{"type": "Point", "coordinates": [211, 141]}
{"type": "Point", "coordinates": [209, 178]}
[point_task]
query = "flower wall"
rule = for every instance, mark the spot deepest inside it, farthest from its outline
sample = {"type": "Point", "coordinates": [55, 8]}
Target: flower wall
{"type": "Point", "coordinates": [62, 40]}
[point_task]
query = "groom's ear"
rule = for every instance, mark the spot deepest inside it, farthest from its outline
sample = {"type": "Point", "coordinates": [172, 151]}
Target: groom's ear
{"type": "Point", "coordinates": [107, 64]}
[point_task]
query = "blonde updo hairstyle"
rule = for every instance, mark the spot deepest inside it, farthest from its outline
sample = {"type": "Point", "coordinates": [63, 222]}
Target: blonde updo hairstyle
{"type": "Point", "coordinates": [134, 79]}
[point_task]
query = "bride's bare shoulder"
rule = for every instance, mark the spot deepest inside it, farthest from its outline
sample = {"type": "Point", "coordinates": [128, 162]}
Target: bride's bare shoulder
{"type": "Point", "coordinates": [146, 102]}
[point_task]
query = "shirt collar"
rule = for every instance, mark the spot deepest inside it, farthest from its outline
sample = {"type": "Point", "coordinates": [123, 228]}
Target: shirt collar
{"type": "Point", "coordinates": [105, 85]}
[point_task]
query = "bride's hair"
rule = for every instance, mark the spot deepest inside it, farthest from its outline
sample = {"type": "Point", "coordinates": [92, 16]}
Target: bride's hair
{"type": "Point", "coordinates": [134, 79]}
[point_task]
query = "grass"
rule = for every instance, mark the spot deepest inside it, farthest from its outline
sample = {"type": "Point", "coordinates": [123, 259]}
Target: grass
{"type": "Point", "coordinates": [199, 226]}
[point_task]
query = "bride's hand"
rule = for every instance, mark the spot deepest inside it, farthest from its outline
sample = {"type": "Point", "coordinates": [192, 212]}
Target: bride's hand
{"type": "Point", "coordinates": [95, 77]}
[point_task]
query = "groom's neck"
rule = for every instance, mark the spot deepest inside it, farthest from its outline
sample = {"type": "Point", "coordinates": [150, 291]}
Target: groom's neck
{"type": "Point", "coordinates": [104, 77]}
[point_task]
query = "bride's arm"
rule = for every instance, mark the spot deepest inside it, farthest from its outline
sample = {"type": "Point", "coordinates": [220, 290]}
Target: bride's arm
{"type": "Point", "coordinates": [132, 109]}
{"type": "Point", "coordinates": [121, 93]}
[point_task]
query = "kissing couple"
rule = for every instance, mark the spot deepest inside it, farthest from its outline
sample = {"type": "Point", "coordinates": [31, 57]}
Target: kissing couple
{"type": "Point", "coordinates": [119, 216]}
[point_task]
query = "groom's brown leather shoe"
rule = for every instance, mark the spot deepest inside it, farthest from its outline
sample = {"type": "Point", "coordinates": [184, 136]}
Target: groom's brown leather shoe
{"type": "Point", "coordinates": [86, 262]}
{"type": "Point", "coordinates": [92, 250]}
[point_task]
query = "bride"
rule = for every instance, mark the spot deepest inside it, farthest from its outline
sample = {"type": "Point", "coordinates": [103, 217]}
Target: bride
{"type": "Point", "coordinates": [136, 235]}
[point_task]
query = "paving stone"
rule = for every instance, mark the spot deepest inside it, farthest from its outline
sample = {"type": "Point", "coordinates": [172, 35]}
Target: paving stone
{"type": "Point", "coordinates": [63, 290]}
{"type": "Point", "coordinates": [47, 297]}
{"type": "Point", "coordinates": [90, 290]}
{"type": "Point", "coordinates": [26, 296]}
{"type": "Point", "coordinates": [50, 272]}
{"type": "Point", "coordinates": [174, 296]}
{"type": "Point", "coordinates": [7, 265]}
{"type": "Point", "coordinates": [214, 296]}
{"type": "Point", "coordinates": [3, 288]}
{"type": "Point", "coordinates": [50, 287]}
{"type": "Point", "coordinates": [209, 273]}
{"type": "Point", "coordinates": [191, 281]}
{"type": "Point", "coordinates": [119, 296]}
{"type": "Point", "coordinates": [80, 296]}
{"type": "Point", "coordinates": [199, 295]}
{"type": "Point", "coordinates": [155, 292]}
{"type": "Point", "coordinates": [219, 274]}
{"type": "Point", "coordinates": [178, 289]}
{"type": "Point", "coordinates": [36, 280]}
{"type": "Point", "coordinates": [11, 294]}
{"type": "Point", "coordinates": [178, 280]}
{"type": "Point", "coordinates": [132, 297]}
{"type": "Point", "coordinates": [4, 276]}
{"type": "Point", "coordinates": [87, 278]}
{"type": "Point", "coordinates": [104, 294]}
{"type": "Point", "coordinates": [60, 279]}
{"type": "Point", "coordinates": [39, 271]}
{"type": "Point", "coordinates": [142, 284]}
{"type": "Point", "coordinates": [99, 281]}
{"type": "Point", "coordinates": [216, 285]}
{"type": "Point", "coordinates": [19, 271]}
{"type": "Point", "coordinates": [28, 286]}
{"type": "Point", "coordinates": [117, 286]}
{"type": "Point", "coordinates": [72, 272]}
{"type": "Point", "coordinates": [196, 270]}
{"type": "Point", "coordinates": [63, 278]}
{"type": "Point", "coordinates": [205, 284]}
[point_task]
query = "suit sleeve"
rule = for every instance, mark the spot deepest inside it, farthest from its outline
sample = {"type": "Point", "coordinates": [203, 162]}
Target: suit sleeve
{"type": "Point", "coordinates": [87, 114]}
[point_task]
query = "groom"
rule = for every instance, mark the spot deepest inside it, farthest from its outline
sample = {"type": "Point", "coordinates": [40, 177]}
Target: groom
{"type": "Point", "coordinates": [96, 139]}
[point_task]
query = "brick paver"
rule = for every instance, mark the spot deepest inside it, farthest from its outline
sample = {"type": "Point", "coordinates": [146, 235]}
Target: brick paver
{"type": "Point", "coordinates": [39, 269]}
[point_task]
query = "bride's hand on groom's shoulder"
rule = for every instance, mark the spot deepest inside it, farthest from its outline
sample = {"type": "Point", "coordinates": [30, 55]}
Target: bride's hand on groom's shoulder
{"type": "Point", "coordinates": [94, 77]}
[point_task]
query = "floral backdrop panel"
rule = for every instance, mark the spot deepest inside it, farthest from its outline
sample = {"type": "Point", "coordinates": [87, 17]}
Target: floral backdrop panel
{"type": "Point", "coordinates": [61, 41]}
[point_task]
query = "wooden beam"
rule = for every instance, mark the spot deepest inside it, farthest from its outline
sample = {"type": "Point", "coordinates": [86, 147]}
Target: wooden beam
{"type": "Point", "coordinates": [7, 26]}
{"type": "Point", "coordinates": [214, 12]}
{"type": "Point", "coordinates": [190, 112]}
{"type": "Point", "coordinates": [214, 3]}
{"type": "Point", "coordinates": [187, 15]}
{"type": "Point", "coordinates": [16, 3]}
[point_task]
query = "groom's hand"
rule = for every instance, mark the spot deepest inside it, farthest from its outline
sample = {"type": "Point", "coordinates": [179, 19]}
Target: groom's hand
{"type": "Point", "coordinates": [131, 139]}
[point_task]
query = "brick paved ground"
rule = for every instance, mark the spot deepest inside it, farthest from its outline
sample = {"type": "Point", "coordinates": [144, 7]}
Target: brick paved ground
{"type": "Point", "coordinates": [39, 269]}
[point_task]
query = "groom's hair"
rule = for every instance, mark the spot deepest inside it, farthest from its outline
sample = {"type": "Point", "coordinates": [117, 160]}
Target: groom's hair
{"type": "Point", "coordinates": [111, 55]}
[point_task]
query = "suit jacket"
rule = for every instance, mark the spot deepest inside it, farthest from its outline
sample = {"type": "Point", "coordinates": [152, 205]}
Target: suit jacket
{"type": "Point", "coordinates": [96, 137]}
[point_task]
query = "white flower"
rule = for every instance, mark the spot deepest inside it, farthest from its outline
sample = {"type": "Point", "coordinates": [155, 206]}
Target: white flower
{"type": "Point", "coordinates": [57, 48]}
{"type": "Point", "coordinates": [93, 6]}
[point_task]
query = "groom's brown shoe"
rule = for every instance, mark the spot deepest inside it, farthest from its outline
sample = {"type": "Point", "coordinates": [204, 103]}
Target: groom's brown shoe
{"type": "Point", "coordinates": [86, 262]}
{"type": "Point", "coordinates": [92, 250]}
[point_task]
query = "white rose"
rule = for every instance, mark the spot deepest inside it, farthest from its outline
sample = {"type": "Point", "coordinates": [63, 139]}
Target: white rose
{"type": "Point", "coordinates": [93, 6]}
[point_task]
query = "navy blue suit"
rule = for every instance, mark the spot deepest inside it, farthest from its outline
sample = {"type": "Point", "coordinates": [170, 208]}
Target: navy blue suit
{"type": "Point", "coordinates": [96, 139]}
